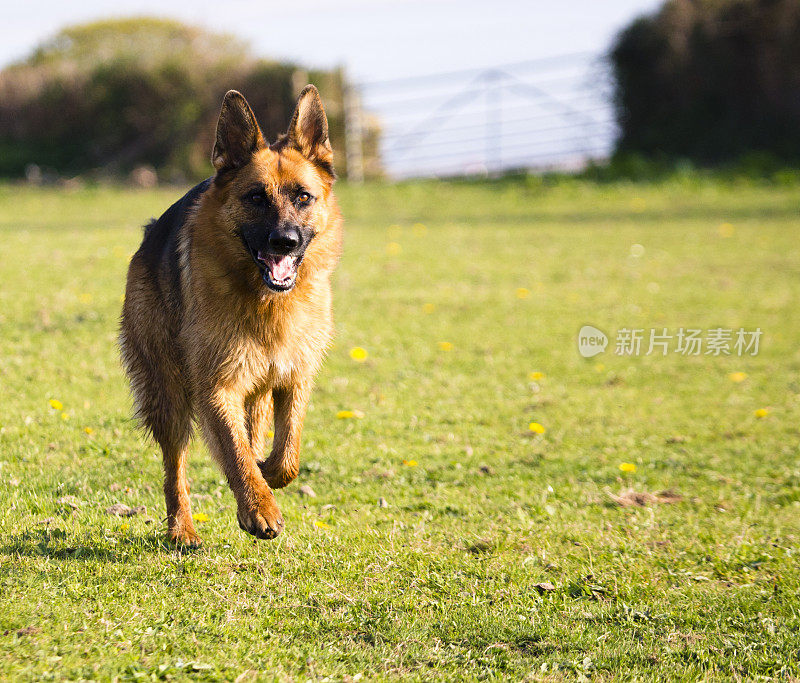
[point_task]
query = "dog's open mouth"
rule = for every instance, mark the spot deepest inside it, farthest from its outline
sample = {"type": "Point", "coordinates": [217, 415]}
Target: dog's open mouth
{"type": "Point", "coordinates": [279, 270]}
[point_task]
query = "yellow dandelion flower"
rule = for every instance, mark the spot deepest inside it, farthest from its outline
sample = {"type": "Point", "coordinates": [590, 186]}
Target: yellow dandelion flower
{"type": "Point", "coordinates": [599, 367]}
{"type": "Point", "coordinates": [124, 527]}
{"type": "Point", "coordinates": [627, 467]}
{"type": "Point", "coordinates": [345, 414]}
{"type": "Point", "coordinates": [523, 292]}
{"type": "Point", "coordinates": [445, 346]}
{"type": "Point", "coordinates": [536, 428]}
{"type": "Point", "coordinates": [410, 463]}
{"type": "Point", "coordinates": [761, 413]}
{"type": "Point", "coordinates": [65, 416]}
{"type": "Point", "coordinates": [419, 229]}
{"type": "Point", "coordinates": [393, 248]}
{"type": "Point", "coordinates": [737, 377]}
{"type": "Point", "coordinates": [88, 430]}
{"type": "Point", "coordinates": [725, 230]}
{"type": "Point", "coordinates": [358, 354]}
{"type": "Point", "coordinates": [56, 404]}
{"type": "Point", "coordinates": [200, 517]}
{"type": "Point", "coordinates": [85, 298]}
{"type": "Point", "coordinates": [535, 376]}
{"type": "Point", "coordinates": [321, 525]}
{"type": "Point", "coordinates": [428, 308]}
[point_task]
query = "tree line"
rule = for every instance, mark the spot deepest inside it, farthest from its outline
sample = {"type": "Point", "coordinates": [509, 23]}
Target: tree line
{"type": "Point", "coordinates": [711, 81]}
{"type": "Point", "coordinates": [107, 97]}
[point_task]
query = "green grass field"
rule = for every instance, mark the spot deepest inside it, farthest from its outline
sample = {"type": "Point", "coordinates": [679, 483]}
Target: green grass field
{"type": "Point", "coordinates": [502, 553]}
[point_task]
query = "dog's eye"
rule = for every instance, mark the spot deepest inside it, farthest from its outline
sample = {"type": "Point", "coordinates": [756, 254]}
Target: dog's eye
{"type": "Point", "coordinates": [303, 198]}
{"type": "Point", "coordinates": [258, 198]}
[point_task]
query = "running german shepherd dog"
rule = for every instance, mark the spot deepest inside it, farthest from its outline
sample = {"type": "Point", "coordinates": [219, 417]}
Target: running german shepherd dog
{"type": "Point", "coordinates": [227, 311]}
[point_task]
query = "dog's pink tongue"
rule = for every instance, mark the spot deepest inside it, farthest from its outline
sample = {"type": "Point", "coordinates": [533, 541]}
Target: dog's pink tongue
{"type": "Point", "coordinates": [282, 267]}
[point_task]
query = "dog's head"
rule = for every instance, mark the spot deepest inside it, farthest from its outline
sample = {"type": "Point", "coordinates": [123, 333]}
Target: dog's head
{"type": "Point", "coordinates": [275, 198]}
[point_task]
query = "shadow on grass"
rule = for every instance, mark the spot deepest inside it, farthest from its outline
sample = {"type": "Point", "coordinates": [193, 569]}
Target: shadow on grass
{"type": "Point", "coordinates": [55, 544]}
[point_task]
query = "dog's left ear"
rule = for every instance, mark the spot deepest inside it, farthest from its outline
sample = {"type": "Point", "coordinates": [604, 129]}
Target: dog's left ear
{"type": "Point", "coordinates": [238, 134]}
{"type": "Point", "coordinates": [308, 131]}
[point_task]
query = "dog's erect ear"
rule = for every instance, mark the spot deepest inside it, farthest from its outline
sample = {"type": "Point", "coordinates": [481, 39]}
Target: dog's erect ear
{"type": "Point", "coordinates": [238, 134]}
{"type": "Point", "coordinates": [308, 131]}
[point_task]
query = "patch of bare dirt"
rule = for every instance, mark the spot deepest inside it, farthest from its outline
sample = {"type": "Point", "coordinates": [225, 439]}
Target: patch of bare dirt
{"type": "Point", "coordinates": [641, 499]}
{"type": "Point", "coordinates": [122, 510]}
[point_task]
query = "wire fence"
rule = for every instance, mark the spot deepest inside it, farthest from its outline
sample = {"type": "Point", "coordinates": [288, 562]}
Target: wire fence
{"type": "Point", "coordinates": [547, 113]}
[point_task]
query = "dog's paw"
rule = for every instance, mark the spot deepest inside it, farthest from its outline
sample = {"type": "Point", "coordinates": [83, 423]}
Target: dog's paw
{"type": "Point", "coordinates": [183, 536]}
{"type": "Point", "coordinates": [277, 476]}
{"type": "Point", "coordinates": [264, 520]}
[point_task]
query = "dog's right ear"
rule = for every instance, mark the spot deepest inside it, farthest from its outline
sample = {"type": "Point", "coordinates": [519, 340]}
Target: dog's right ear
{"type": "Point", "coordinates": [238, 134]}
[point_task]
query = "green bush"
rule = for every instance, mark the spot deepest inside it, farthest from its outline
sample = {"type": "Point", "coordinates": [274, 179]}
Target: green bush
{"type": "Point", "coordinates": [711, 81]}
{"type": "Point", "coordinates": [107, 97]}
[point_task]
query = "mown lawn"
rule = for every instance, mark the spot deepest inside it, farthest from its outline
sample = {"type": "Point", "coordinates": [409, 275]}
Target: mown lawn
{"type": "Point", "coordinates": [460, 294]}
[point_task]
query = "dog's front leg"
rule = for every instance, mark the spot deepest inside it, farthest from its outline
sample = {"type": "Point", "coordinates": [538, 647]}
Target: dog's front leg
{"type": "Point", "coordinates": [290, 405]}
{"type": "Point", "coordinates": [258, 409]}
{"type": "Point", "coordinates": [224, 426]}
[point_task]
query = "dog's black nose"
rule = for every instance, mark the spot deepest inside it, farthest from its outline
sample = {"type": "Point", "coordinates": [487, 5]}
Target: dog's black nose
{"type": "Point", "coordinates": [284, 240]}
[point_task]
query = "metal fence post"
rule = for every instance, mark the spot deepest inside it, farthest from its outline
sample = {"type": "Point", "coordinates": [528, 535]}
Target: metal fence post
{"type": "Point", "coordinates": [353, 135]}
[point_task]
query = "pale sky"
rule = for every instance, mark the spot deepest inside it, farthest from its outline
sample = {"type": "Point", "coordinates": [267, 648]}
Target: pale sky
{"type": "Point", "coordinates": [375, 39]}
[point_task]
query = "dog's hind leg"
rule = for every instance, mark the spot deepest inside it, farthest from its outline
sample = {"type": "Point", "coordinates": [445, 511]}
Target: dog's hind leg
{"type": "Point", "coordinates": [166, 415]}
{"type": "Point", "coordinates": [171, 426]}
{"type": "Point", "coordinates": [283, 464]}
{"type": "Point", "coordinates": [180, 527]}
{"type": "Point", "coordinates": [163, 408]}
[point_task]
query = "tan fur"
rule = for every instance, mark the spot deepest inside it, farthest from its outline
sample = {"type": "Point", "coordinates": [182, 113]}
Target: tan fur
{"type": "Point", "coordinates": [231, 351]}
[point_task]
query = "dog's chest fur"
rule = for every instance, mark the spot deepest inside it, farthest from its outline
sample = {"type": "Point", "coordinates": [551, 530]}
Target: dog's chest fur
{"type": "Point", "coordinates": [256, 349]}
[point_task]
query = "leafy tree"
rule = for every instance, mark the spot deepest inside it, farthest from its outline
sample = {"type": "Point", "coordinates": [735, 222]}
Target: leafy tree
{"type": "Point", "coordinates": [710, 80]}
